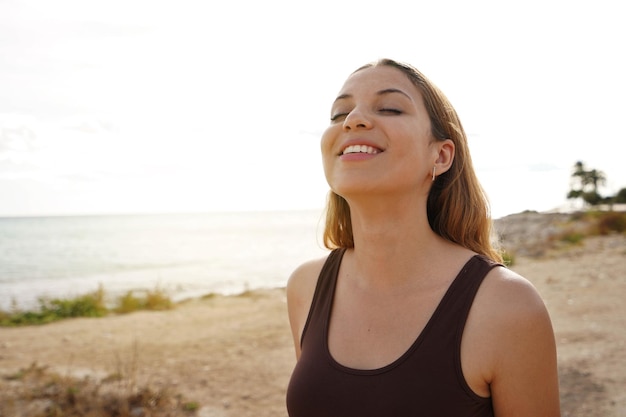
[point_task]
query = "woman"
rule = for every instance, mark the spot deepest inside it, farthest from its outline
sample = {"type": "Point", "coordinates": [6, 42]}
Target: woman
{"type": "Point", "coordinates": [411, 314]}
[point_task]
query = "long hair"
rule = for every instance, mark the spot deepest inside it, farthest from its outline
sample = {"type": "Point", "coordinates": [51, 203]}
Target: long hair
{"type": "Point", "coordinates": [457, 206]}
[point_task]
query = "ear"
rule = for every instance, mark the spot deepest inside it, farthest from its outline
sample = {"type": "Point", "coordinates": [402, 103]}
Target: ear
{"type": "Point", "coordinates": [445, 156]}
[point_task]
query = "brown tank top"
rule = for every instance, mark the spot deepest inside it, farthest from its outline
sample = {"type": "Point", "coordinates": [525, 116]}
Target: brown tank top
{"type": "Point", "coordinates": [427, 380]}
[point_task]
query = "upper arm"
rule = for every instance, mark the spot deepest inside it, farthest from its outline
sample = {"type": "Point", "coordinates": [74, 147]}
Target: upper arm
{"type": "Point", "coordinates": [522, 372]}
{"type": "Point", "coordinates": [300, 290]}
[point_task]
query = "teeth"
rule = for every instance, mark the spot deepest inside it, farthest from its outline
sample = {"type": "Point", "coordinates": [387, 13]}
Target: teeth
{"type": "Point", "coordinates": [360, 149]}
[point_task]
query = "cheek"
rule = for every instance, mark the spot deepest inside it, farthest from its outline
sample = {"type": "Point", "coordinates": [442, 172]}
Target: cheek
{"type": "Point", "coordinates": [327, 143]}
{"type": "Point", "coordinates": [328, 150]}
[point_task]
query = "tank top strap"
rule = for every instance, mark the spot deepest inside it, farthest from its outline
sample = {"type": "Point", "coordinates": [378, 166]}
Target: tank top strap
{"type": "Point", "coordinates": [448, 321]}
{"type": "Point", "coordinates": [322, 298]}
{"type": "Point", "coordinates": [463, 291]}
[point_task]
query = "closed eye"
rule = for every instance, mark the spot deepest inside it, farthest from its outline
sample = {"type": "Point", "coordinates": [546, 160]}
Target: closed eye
{"type": "Point", "coordinates": [338, 116]}
{"type": "Point", "coordinates": [392, 111]}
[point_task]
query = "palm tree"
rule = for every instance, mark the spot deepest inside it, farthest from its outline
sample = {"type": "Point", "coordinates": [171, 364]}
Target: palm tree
{"type": "Point", "coordinates": [595, 178]}
{"type": "Point", "coordinates": [586, 184]}
{"type": "Point", "coordinates": [579, 176]}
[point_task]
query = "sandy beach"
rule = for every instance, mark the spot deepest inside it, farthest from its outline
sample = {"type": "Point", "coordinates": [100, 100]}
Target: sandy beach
{"type": "Point", "coordinates": [234, 355]}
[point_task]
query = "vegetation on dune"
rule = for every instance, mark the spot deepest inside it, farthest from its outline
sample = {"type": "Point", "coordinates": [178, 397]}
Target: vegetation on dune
{"type": "Point", "coordinates": [566, 234]}
{"type": "Point", "coordinates": [87, 305]}
{"type": "Point", "coordinates": [593, 223]}
{"type": "Point", "coordinates": [153, 300]}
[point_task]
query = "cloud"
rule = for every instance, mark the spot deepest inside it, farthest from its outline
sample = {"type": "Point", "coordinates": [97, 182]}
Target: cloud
{"type": "Point", "coordinates": [17, 133]}
{"type": "Point", "coordinates": [19, 138]}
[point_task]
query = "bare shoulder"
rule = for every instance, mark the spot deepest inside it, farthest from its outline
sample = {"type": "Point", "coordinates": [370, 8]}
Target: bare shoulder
{"type": "Point", "coordinates": [508, 282]}
{"type": "Point", "coordinates": [511, 336]}
{"type": "Point", "coordinates": [303, 279]}
{"type": "Point", "coordinates": [510, 295]}
{"type": "Point", "coordinates": [300, 290]}
{"type": "Point", "coordinates": [509, 308]}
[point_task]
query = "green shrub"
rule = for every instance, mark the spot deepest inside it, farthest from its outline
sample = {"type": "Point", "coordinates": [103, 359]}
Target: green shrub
{"type": "Point", "coordinates": [88, 305]}
{"type": "Point", "coordinates": [572, 238]}
{"type": "Point", "coordinates": [157, 300]}
{"type": "Point", "coordinates": [153, 300]}
{"type": "Point", "coordinates": [191, 406]}
{"type": "Point", "coordinates": [128, 303]}
{"type": "Point", "coordinates": [508, 258]}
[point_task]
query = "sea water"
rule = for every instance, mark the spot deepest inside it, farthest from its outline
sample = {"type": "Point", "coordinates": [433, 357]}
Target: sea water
{"type": "Point", "coordinates": [185, 255]}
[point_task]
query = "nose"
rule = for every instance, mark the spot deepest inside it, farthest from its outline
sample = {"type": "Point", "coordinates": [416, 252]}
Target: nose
{"type": "Point", "coordinates": [356, 119]}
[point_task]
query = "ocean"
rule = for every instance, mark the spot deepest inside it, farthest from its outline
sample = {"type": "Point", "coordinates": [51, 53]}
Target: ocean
{"type": "Point", "coordinates": [185, 255]}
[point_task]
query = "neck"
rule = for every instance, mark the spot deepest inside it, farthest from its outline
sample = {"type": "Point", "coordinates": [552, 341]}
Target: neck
{"type": "Point", "coordinates": [394, 244]}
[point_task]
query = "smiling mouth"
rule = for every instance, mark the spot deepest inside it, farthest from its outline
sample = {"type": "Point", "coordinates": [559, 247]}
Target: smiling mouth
{"type": "Point", "coordinates": [360, 149]}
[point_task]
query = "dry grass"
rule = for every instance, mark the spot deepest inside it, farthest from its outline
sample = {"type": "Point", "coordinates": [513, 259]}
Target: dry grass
{"type": "Point", "coordinates": [38, 392]}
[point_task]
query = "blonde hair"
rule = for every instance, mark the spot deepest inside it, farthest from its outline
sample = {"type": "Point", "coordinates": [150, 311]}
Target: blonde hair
{"type": "Point", "coordinates": [457, 206]}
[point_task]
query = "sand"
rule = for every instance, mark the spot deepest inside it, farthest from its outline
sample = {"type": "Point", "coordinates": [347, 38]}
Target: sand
{"type": "Point", "coordinates": [234, 354]}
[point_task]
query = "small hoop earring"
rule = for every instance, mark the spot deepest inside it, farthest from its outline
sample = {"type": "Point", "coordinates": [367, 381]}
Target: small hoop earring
{"type": "Point", "coordinates": [434, 171]}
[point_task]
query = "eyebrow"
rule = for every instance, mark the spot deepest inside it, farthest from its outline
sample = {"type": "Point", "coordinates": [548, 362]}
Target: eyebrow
{"type": "Point", "coordinates": [378, 93]}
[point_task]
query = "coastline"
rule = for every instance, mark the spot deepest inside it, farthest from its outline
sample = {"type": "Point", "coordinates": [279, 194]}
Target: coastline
{"type": "Point", "coordinates": [185, 255]}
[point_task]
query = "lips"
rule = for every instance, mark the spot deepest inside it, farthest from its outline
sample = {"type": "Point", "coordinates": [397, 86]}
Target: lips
{"type": "Point", "coordinates": [367, 149]}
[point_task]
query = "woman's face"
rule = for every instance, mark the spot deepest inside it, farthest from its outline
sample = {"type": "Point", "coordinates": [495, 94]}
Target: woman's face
{"type": "Point", "coordinates": [379, 138]}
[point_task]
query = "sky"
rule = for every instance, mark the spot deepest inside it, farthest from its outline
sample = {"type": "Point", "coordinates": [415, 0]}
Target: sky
{"type": "Point", "coordinates": [137, 106]}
